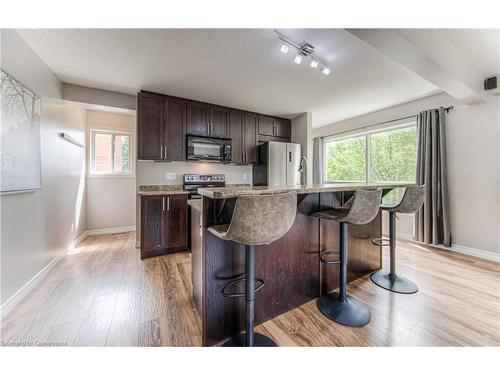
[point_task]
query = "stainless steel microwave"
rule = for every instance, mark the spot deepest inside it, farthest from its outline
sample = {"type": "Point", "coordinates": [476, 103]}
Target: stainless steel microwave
{"type": "Point", "coordinates": [210, 149]}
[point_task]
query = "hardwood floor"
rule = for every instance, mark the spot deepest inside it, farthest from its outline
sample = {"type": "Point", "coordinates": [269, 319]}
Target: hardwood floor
{"type": "Point", "coordinates": [102, 294]}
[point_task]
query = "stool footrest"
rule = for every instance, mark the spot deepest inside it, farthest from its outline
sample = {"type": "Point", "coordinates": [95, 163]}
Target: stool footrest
{"type": "Point", "coordinates": [238, 281]}
{"type": "Point", "coordinates": [325, 254]}
{"type": "Point", "coordinates": [381, 241]}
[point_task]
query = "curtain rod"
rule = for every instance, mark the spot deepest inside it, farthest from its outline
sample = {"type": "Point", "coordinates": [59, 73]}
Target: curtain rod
{"type": "Point", "coordinates": [447, 109]}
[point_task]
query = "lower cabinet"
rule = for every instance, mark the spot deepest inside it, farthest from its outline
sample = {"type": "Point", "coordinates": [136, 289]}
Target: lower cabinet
{"type": "Point", "coordinates": [164, 224]}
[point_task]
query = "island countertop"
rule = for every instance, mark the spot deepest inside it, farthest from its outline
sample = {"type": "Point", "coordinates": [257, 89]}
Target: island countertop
{"type": "Point", "coordinates": [233, 192]}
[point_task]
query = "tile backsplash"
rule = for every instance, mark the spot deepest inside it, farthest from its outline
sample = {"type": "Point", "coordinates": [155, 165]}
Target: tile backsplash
{"type": "Point", "coordinates": [151, 173]}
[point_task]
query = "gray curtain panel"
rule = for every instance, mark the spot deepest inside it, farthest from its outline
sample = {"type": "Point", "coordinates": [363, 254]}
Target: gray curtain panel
{"type": "Point", "coordinates": [432, 222]}
{"type": "Point", "coordinates": [317, 160]}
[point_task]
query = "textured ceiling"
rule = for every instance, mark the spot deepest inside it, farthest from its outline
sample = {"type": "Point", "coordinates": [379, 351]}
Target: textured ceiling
{"type": "Point", "coordinates": [240, 68]}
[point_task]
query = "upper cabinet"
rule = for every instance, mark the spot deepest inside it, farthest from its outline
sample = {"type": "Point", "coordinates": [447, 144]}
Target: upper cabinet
{"type": "Point", "coordinates": [243, 137]}
{"type": "Point", "coordinates": [163, 122]}
{"type": "Point", "coordinates": [274, 127]}
{"type": "Point", "coordinates": [161, 125]}
{"type": "Point", "coordinates": [149, 126]}
{"type": "Point", "coordinates": [207, 120]}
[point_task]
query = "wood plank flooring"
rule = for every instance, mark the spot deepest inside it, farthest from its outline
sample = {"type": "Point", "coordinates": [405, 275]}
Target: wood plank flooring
{"type": "Point", "coordinates": [102, 294]}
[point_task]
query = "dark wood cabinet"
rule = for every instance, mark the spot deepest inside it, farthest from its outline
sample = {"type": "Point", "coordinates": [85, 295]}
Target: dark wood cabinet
{"type": "Point", "coordinates": [198, 116]}
{"type": "Point", "coordinates": [149, 126]}
{"type": "Point", "coordinates": [283, 127]}
{"type": "Point", "coordinates": [243, 137]}
{"type": "Point", "coordinates": [275, 127]}
{"type": "Point", "coordinates": [207, 120]}
{"type": "Point", "coordinates": [161, 123]}
{"type": "Point", "coordinates": [266, 125]}
{"type": "Point", "coordinates": [219, 122]}
{"type": "Point", "coordinates": [174, 128]}
{"type": "Point", "coordinates": [164, 224]}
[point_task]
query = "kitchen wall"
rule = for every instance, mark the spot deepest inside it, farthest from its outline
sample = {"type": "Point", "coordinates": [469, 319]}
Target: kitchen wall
{"type": "Point", "coordinates": [38, 227]}
{"type": "Point", "coordinates": [151, 173]}
{"type": "Point", "coordinates": [473, 144]}
{"type": "Point", "coordinates": [111, 199]}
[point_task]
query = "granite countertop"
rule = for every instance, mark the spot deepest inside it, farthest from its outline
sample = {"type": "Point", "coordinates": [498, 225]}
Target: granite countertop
{"type": "Point", "coordinates": [161, 190]}
{"type": "Point", "coordinates": [196, 204]}
{"type": "Point", "coordinates": [232, 192]}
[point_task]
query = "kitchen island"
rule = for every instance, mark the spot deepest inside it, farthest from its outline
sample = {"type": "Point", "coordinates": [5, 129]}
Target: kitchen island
{"type": "Point", "coordinates": [290, 267]}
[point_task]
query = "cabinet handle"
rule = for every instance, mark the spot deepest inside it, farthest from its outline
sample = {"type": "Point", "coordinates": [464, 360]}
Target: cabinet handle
{"type": "Point", "coordinates": [165, 153]}
{"type": "Point", "coordinates": [163, 203]}
{"type": "Point", "coordinates": [277, 132]}
{"type": "Point", "coordinates": [168, 203]}
{"type": "Point", "coordinates": [161, 152]}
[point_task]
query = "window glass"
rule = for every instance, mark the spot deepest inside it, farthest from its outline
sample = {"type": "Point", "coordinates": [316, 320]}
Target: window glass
{"type": "Point", "coordinates": [111, 153]}
{"type": "Point", "coordinates": [346, 160]}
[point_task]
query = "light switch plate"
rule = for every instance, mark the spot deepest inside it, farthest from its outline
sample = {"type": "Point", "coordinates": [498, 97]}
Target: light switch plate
{"type": "Point", "coordinates": [245, 176]}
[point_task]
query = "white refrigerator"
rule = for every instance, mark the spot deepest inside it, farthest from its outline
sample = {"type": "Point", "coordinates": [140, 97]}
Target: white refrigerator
{"type": "Point", "coordinates": [278, 165]}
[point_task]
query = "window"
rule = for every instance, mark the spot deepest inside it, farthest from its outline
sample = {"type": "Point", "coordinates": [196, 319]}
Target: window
{"type": "Point", "coordinates": [111, 153]}
{"type": "Point", "coordinates": [379, 156]}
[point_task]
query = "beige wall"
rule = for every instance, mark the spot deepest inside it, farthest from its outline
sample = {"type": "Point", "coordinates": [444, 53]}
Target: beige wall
{"type": "Point", "coordinates": [38, 227]}
{"type": "Point", "coordinates": [473, 143]}
{"type": "Point", "coordinates": [110, 199]}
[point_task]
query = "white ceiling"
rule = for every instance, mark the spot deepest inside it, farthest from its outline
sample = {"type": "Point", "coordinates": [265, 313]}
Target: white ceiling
{"type": "Point", "coordinates": [240, 68]}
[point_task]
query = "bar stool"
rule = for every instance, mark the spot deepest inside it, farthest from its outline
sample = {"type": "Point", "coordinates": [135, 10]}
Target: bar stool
{"type": "Point", "coordinates": [412, 201]}
{"type": "Point", "coordinates": [256, 220]}
{"type": "Point", "coordinates": [341, 307]}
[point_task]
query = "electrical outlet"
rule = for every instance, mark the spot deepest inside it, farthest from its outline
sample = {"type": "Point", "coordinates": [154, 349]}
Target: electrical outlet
{"type": "Point", "coordinates": [169, 176]}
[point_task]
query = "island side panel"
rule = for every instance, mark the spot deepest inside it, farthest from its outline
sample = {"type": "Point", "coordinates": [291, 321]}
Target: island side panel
{"type": "Point", "coordinates": [289, 266]}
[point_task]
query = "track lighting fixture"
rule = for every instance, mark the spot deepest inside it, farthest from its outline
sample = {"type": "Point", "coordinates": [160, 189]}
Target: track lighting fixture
{"type": "Point", "coordinates": [304, 51]}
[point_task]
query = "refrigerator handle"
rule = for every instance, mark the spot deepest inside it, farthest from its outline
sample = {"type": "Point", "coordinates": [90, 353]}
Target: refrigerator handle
{"type": "Point", "coordinates": [290, 156]}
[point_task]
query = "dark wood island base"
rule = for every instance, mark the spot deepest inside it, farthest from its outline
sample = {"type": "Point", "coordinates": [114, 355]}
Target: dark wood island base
{"type": "Point", "coordinates": [290, 267]}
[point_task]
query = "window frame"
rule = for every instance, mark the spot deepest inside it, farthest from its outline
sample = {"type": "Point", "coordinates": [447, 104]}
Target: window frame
{"type": "Point", "coordinates": [114, 133]}
{"type": "Point", "coordinates": [367, 134]}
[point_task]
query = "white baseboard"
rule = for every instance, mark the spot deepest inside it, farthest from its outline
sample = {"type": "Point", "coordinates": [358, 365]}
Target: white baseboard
{"type": "Point", "coordinates": [98, 232]}
{"type": "Point", "coordinates": [80, 238]}
{"type": "Point", "coordinates": [13, 300]}
{"type": "Point", "coordinates": [478, 253]}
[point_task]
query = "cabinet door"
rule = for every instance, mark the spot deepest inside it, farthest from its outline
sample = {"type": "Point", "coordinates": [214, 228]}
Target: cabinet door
{"type": "Point", "coordinates": [266, 125]}
{"type": "Point", "coordinates": [237, 147]}
{"type": "Point", "coordinates": [176, 221]}
{"type": "Point", "coordinates": [152, 224]}
{"type": "Point", "coordinates": [174, 129]}
{"type": "Point", "coordinates": [197, 118]}
{"type": "Point", "coordinates": [149, 126]}
{"type": "Point", "coordinates": [250, 138]}
{"type": "Point", "coordinates": [282, 128]}
{"type": "Point", "coordinates": [219, 122]}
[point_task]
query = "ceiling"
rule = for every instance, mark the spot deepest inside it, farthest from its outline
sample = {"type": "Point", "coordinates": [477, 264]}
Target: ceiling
{"type": "Point", "coordinates": [240, 68]}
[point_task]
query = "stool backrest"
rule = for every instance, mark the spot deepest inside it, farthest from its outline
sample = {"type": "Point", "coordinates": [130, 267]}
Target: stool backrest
{"type": "Point", "coordinates": [262, 219]}
{"type": "Point", "coordinates": [364, 207]}
{"type": "Point", "coordinates": [412, 200]}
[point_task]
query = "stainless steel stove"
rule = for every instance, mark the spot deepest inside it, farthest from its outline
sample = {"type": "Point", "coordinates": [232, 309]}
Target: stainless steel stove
{"type": "Point", "coordinates": [194, 181]}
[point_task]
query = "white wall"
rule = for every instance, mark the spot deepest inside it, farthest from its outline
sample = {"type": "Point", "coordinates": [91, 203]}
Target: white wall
{"type": "Point", "coordinates": [302, 134]}
{"type": "Point", "coordinates": [38, 227]}
{"type": "Point", "coordinates": [110, 200]}
{"type": "Point", "coordinates": [473, 143]}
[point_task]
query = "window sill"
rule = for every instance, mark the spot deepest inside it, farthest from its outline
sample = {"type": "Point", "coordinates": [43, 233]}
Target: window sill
{"type": "Point", "coordinates": [110, 176]}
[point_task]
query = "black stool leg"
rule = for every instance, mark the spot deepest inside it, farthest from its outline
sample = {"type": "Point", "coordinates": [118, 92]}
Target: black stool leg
{"type": "Point", "coordinates": [390, 280]}
{"type": "Point", "coordinates": [341, 307]}
{"type": "Point", "coordinates": [250, 338]}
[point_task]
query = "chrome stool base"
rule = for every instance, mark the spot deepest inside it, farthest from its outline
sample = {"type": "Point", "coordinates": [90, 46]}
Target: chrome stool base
{"type": "Point", "coordinates": [351, 312]}
{"type": "Point", "coordinates": [259, 340]}
{"type": "Point", "coordinates": [394, 283]}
